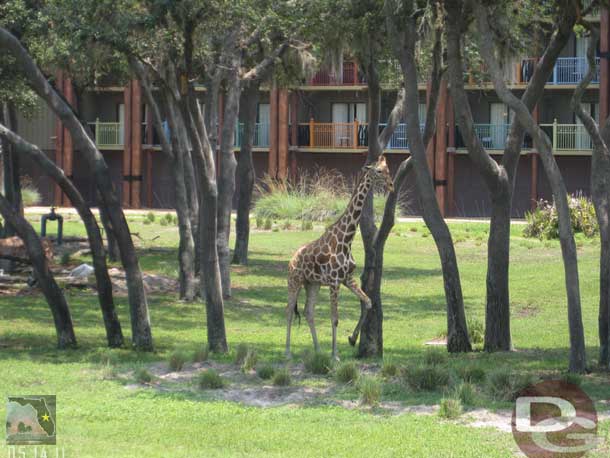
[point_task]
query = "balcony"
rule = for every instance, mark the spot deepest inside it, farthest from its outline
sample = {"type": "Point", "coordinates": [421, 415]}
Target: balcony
{"type": "Point", "coordinates": [108, 135]}
{"type": "Point", "coordinates": [564, 137]}
{"type": "Point", "coordinates": [261, 135]}
{"type": "Point", "coordinates": [350, 76]}
{"type": "Point", "coordinates": [347, 136]}
{"type": "Point", "coordinates": [567, 70]}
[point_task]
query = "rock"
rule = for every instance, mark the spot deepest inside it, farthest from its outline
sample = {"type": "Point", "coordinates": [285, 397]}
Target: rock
{"type": "Point", "coordinates": [82, 271]}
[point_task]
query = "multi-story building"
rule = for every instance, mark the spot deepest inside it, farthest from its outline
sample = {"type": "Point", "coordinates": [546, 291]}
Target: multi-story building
{"type": "Point", "coordinates": [324, 124]}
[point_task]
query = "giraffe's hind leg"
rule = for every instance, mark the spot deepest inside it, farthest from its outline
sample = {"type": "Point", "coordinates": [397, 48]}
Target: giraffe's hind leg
{"type": "Point", "coordinates": [312, 295]}
{"type": "Point", "coordinates": [294, 286]}
{"type": "Point", "coordinates": [334, 317]}
{"type": "Point", "coordinates": [353, 287]}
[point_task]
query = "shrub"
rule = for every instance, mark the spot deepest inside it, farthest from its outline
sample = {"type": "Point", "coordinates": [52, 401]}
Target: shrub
{"type": "Point", "coordinates": [177, 360]}
{"type": "Point", "coordinates": [370, 390]}
{"type": "Point", "coordinates": [65, 259]}
{"type": "Point", "coordinates": [347, 372]}
{"type": "Point", "coordinates": [249, 361]}
{"type": "Point", "coordinates": [450, 408]}
{"type": "Point", "coordinates": [389, 369]}
{"type": "Point", "coordinates": [143, 376]}
{"type": "Point", "coordinates": [426, 378]}
{"type": "Point", "coordinates": [543, 222]}
{"type": "Point", "coordinates": [240, 353]}
{"type": "Point", "coordinates": [287, 225]}
{"type": "Point", "coordinates": [574, 379]}
{"type": "Point", "coordinates": [200, 355]}
{"type": "Point", "coordinates": [476, 331]}
{"type": "Point", "coordinates": [504, 384]}
{"type": "Point", "coordinates": [268, 224]}
{"type": "Point", "coordinates": [471, 374]}
{"type": "Point", "coordinates": [306, 224]}
{"type": "Point", "coordinates": [266, 371]}
{"type": "Point", "coordinates": [260, 221]}
{"type": "Point", "coordinates": [466, 393]}
{"type": "Point", "coordinates": [434, 356]}
{"type": "Point", "coordinates": [282, 377]}
{"type": "Point", "coordinates": [210, 379]}
{"type": "Point", "coordinates": [317, 363]}
{"type": "Point", "coordinates": [30, 195]}
{"type": "Point", "coordinates": [150, 216]}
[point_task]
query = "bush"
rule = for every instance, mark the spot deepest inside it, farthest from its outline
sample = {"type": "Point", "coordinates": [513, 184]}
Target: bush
{"type": "Point", "coordinates": [201, 354]}
{"type": "Point", "coordinates": [65, 259]}
{"type": "Point", "coordinates": [426, 378]}
{"type": "Point", "coordinates": [240, 353]}
{"type": "Point", "coordinates": [318, 196]}
{"type": "Point", "coordinates": [210, 379]}
{"type": "Point", "coordinates": [268, 224]}
{"type": "Point", "coordinates": [370, 390]}
{"type": "Point", "coordinates": [347, 372]}
{"type": "Point", "coordinates": [177, 360]}
{"type": "Point", "coordinates": [317, 363]}
{"type": "Point", "coordinates": [143, 376]}
{"type": "Point", "coordinates": [543, 222]}
{"type": "Point", "coordinates": [150, 216]}
{"type": "Point", "coordinates": [505, 385]}
{"type": "Point", "coordinates": [476, 331]}
{"type": "Point", "coordinates": [282, 378]}
{"type": "Point", "coordinates": [249, 361]}
{"type": "Point", "coordinates": [450, 408]}
{"type": "Point", "coordinates": [30, 195]}
{"type": "Point", "coordinates": [471, 374]}
{"type": "Point", "coordinates": [266, 371]}
{"type": "Point", "coordinates": [389, 369]}
{"type": "Point", "coordinates": [259, 222]}
{"type": "Point", "coordinates": [574, 379]}
{"type": "Point", "coordinates": [306, 225]}
{"type": "Point", "coordinates": [434, 356]}
{"type": "Point", "coordinates": [466, 393]}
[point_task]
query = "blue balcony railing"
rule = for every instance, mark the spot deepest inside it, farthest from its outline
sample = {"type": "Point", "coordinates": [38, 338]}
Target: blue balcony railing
{"type": "Point", "coordinates": [567, 70]}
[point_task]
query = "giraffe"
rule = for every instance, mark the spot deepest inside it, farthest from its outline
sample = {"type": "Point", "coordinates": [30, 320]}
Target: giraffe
{"type": "Point", "coordinates": [328, 260]}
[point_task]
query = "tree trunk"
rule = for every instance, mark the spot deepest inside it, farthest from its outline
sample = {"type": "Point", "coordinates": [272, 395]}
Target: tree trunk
{"type": "Point", "coordinates": [112, 248]}
{"type": "Point", "coordinates": [226, 180]}
{"type": "Point", "coordinates": [44, 276]}
{"type": "Point", "coordinates": [114, 333]}
{"type": "Point", "coordinates": [10, 165]}
{"type": "Point", "coordinates": [140, 320]}
{"type": "Point", "coordinates": [245, 173]}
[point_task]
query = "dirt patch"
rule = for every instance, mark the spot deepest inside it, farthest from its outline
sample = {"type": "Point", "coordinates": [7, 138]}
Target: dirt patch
{"type": "Point", "coordinates": [526, 310]}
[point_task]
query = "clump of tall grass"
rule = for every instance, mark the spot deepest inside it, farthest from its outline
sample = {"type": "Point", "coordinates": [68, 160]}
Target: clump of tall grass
{"type": "Point", "coordinates": [321, 195]}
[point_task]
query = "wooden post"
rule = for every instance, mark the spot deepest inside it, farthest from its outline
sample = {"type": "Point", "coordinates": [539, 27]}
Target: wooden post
{"type": "Point", "coordinates": [126, 194]}
{"type": "Point", "coordinates": [355, 69]}
{"type": "Point", "coordinates": [355, 133]}
{"type": "Point", "coordinates": [294, 134]}
{"type": "Point", "coordinates": [282, 125]}
{"type": "Point", "coordinates": [149, 187]}
{"type": "Point", "coordinates": [440, 155]}
{"type": "Point", "coordinates": [311, 129]}
{"type": "Point", "coordinates": [59, 144]}
{"type": "Point", "coordinates": [68, 146]}
{"type": "Point", "coordinates": [431, 146]}
{"type": "Point", "coordinates": [273, 131]}
{"type": "Point", "coordinates": [518, 73]}
{"type": "Point", "coordinates": [450, 166]}
{"type": "Point", "coordinates": [534, 165]}
{"type": "Point", "coordinates": [604, 62]}
{"type": "Point", "coordinates": [136, 144]}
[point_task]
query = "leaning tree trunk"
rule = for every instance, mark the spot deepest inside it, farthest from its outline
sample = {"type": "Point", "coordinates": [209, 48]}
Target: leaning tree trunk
{"type": "Point", "coordinates": [114, 333]}
{"type": "Point", "coordinates": [245, 173]}
{"type": "Point", "coordinates": [51, 290]}
{"type": "Point", "coordinates": [226, 180]}
{"type": "Point", "coordinates": [457, 330]}
{"type": "Point", "coordinates": [10, 166]}
{"type": "Point", "coordinates": [112, 247]}
{"type": "Point", "coordinates": [138, 305]}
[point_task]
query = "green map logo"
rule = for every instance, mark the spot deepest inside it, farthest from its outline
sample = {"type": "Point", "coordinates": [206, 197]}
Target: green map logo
{"type": "Point", "coordinates": [30, 420]}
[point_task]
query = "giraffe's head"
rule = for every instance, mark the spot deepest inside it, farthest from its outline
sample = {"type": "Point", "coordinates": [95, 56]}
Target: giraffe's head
{"type": "Point", "coordinates": [381, 173]}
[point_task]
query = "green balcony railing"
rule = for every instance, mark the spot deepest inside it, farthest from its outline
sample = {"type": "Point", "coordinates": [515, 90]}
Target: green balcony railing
{"type": "Point", "coordinates": [108, 135]}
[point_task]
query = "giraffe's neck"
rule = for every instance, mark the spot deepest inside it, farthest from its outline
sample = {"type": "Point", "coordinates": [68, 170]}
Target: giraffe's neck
{"type": "Point", "coordinates": [348, 223]}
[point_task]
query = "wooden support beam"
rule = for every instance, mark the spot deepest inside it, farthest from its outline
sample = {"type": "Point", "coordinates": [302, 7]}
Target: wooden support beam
{"type": "Point", "coordinates": [126, 188]}
{"type": "Point", "coordinates": [282, 147]}
{"type": "Point", "coordinates": [149, 187]}
{"type": "Point", "coordinates": [440, 154]}
{"type": "Point", "coordinates": [534, 167]}
{"type": "Point", "coordinates": [294, 133]}
{"type": "Point", "coordinates": [273, 132]}
{"type": "Point", "coordinates": [431, 146]}
{"type": "Point", "coordinates": [450, 203]}
{"type": "Point", "coordinates": [136, 144]}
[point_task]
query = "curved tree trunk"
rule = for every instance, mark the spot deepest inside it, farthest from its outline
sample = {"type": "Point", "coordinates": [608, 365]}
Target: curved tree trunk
{"type": "Point", "coordinates": [245, 173]}
{"type": "Point", "coordinates": [52, 292]}
{"type": "Point", "coordinates": [112, 248]}
{"type": "Point", "coordinates": [140, 320]}
{"type": "Point", "coordinates": [114, 333]}
{"type": "Point", "coordinates": [10, 170]}
{"type": "Point", "coordinates": [226, 180]}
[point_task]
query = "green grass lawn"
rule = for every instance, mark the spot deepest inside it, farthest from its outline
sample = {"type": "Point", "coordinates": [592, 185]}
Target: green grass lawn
{"type": "Point", "coordinates": [98, 416]}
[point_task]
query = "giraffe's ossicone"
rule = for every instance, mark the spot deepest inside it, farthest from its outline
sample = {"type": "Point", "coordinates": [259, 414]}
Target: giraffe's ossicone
{"type": "Point", "coordinates": [328, 260]}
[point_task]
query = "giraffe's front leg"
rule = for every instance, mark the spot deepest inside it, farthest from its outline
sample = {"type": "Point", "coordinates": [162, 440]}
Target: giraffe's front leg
{"type": "Point", "coordinates": [334, 317]}
{"type": "Point", "coordinates": [293, 292]}
{"type": "Point", "coordinates": [353, 287]}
